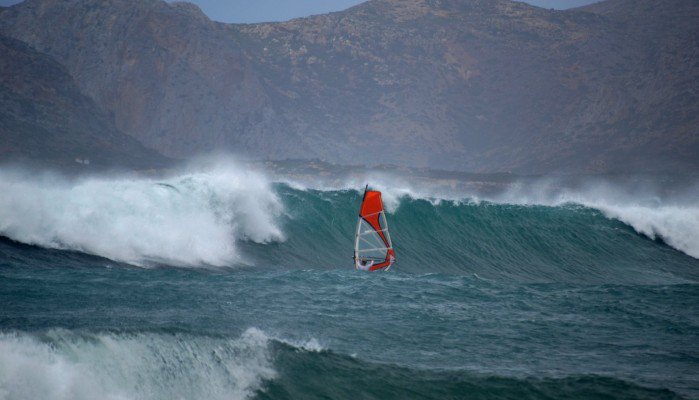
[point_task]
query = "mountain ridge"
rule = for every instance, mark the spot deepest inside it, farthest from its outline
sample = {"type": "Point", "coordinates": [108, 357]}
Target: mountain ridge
{"type": "Point", "coordinates": [454, 84]}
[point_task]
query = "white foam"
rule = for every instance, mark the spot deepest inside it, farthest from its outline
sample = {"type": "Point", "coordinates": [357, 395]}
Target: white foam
{"type": "Point", "coordinates": [678, 226]}
{"type": "Point", "coordinates": [310, 345]}
{"type": "Point", "coordinates": [674, 220]}
{"type": "Point", "coordinates": [393, 188]}
{"type": "Point", "coordinates": [139, 366]}
{"type": "Point", "coordinates": [192, 218]}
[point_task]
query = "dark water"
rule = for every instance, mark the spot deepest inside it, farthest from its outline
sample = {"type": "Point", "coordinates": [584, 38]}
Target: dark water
{"type": "Point", "coordinates": [487, 301]}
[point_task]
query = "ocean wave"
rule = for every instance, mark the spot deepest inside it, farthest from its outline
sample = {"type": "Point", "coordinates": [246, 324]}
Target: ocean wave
{"type": "Point", "coordinates": [62, 364]}
{"type": "Point", "coordinates": [224, 215]}
{"type": "Point", "coordinates": [674, 219]}
{"type": "Point", "coordinates": [322, 375]}
{"type": "Point", "coordinates": [678, 226]}
{"type": "Point", "coordinates": [193, 218]}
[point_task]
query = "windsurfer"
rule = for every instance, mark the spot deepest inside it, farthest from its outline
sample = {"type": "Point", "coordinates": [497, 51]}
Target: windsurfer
{"type": "Point", "coordinates": [372, 243]}
{"type": "Point", "coordinates": [364, 265]}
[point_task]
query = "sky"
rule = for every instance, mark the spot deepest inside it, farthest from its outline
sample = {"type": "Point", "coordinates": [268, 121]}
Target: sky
{"type": "Point", "coordinates": [248, 11]}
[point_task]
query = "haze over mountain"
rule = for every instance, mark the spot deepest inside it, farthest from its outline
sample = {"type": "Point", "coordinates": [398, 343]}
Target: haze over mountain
{"type": "Point", "coordinates": [44, 116]}
{"type": "Point", "coordinates": [471, 85]}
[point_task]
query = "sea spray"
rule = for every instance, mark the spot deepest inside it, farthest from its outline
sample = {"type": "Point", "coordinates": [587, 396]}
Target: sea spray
{"type": "Point", "coordinates": [674, 219]}
{"type": "Point", "coordinates": [192, 218]}
{"type": "Point", "coordinates": [61, 364]}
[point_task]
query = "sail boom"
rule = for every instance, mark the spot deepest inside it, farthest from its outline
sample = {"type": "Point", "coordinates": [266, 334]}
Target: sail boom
{"type": "Point", "coordinates": [373, 231]}
{"type": "Point", "coordinates": [374, 249]}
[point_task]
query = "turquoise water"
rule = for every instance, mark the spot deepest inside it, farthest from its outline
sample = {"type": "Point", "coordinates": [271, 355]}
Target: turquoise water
{"type": "Point", "coordinates": [487, 301]}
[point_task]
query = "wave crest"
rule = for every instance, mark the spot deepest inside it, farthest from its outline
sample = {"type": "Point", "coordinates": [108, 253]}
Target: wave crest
{"type": "Point", "coordinates": [190, 219]}
{"type": "Point", "coordinates": [62, 364]}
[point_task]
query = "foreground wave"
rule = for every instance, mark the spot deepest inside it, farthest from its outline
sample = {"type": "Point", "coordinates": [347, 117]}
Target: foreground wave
{"type": "Point", "coordinates": [60, 364]}
{"type": "Point", "coordinates": [77, 326]}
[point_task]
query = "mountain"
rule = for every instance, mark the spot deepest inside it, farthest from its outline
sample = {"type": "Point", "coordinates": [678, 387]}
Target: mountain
{"type": "Point", "coordinates": [45, 119]}
{"type": "Point", "coordinates": [479, 85]}
{"type": "Point", "coordinates": [170, 77]}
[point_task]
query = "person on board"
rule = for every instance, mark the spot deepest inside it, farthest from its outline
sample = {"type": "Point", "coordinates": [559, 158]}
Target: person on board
{"type": "Point", "coordinates": [364, 265]}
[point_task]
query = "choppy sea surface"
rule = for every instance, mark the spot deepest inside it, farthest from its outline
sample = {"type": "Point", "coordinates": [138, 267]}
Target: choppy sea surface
{"type": "Point", "coordinates": [224, 284]}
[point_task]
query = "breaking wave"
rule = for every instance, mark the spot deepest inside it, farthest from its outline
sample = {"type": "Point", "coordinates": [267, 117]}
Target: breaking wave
{"type": "Point", "coordinates": [227, 215]}
{"type": "Point", "coordinates": [678, 226]}
{"type": "Point", "coordinates": [191, 219]}
{"type": "Point", "coordinates": [672, 219]}
{"type": "Point", "coordinates": [61, 364]}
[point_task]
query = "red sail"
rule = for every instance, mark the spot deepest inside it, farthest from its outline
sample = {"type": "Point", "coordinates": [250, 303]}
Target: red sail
{"type": "Point", "coordinates": [372, 213]}
{"type": "Point", "coordinates": [371, 210]}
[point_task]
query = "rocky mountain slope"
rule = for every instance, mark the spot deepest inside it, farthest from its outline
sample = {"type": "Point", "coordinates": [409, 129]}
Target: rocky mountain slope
{"type": "Point", "coordinates": [479, 85]}
{"type": "Point", "coordinates": [45, 119]}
